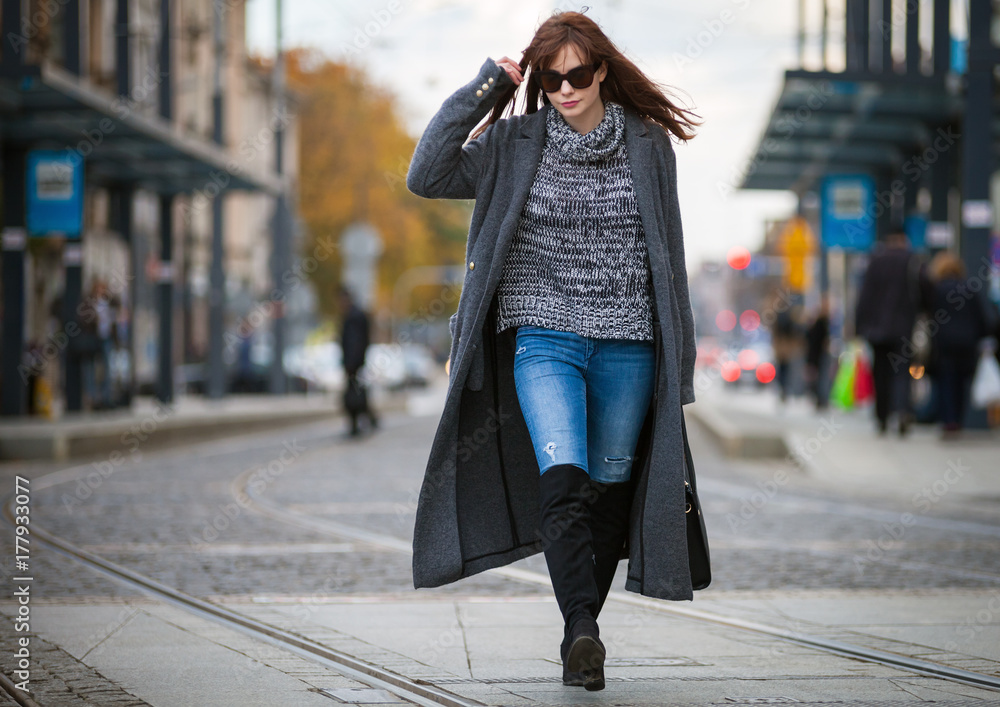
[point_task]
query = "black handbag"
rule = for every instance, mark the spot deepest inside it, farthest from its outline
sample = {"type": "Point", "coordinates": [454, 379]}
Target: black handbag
{"type": "Point", "coordinates": [697, 539]}
{"type": "Point", "coordinates": [355, 396]}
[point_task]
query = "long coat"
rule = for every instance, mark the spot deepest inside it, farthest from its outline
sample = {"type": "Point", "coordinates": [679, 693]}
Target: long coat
{"type": "Point", "coordinates": [478, 506]}
{"type": "Point", "coordinates": [354, 339]}
{"type": "Point", "coordinates": [892, 292]}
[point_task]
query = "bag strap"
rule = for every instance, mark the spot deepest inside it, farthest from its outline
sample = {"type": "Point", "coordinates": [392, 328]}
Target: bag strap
{"type": "Point", "coordinates": [688, 459]}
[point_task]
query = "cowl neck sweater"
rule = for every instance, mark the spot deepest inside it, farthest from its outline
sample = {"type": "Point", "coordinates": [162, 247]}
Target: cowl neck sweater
{"type": "Point", "coordinates": [578, 259]}
{"type": "Point", "coordinates": [600, 143]}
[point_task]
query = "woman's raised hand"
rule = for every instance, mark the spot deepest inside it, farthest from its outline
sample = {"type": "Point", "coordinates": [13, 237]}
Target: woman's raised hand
{"type": "Point", "coordinates": [512, 68]}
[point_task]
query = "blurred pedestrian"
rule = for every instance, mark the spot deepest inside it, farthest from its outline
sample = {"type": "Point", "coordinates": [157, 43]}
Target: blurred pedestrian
{"type": "Point", "coordinates": [100, 300]}
{"type": "Point", "coordinates": [91, 344]}
{"type": "Point", "coordinates": [818, 355]}
{"type": "Point", "coordinates": [354, 340]}
{"type": "Point", "coordinates": [787, 342]}
{"type": "Point", "coordinates": [892, 293]}
{"type": "Point", "coordinates": [965, 317]}
{"type": "Point", "coordinates": [559, 359]}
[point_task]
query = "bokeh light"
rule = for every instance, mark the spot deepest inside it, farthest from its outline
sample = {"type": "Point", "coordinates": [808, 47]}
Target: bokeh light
{"type": "Point", "coordinates": [730, 371]}
{"type": "Point", "coordinates": [725, 320]}
{"type": "Point", "coordinates": [749, 320]}
{"type": "Point", "coordinates": [765, 372]}
{"type": "Point", "coordinates": [748, 359]}
{"type": "Point", "coordinates": [738, 257]}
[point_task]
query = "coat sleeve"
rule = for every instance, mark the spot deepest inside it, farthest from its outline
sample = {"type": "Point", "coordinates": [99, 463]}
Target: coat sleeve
{"type": "Point", "coordinates": [866, 296]}
{"type": "Point", "coordinates": [443, 165]}
{"type": "Point", "coordinates": [679, 278]}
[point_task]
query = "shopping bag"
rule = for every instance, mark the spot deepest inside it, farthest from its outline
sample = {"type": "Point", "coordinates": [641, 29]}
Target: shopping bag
{"type": "Point", "coordinates": [864, 381]}
{"type": "Point", "coordinates": [986, 384]}
{"type": "Point", "coordinates": [842, 393]}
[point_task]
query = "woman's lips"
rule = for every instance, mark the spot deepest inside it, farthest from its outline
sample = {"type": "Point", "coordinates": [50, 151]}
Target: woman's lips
{"type": "Point", "coordinates": [570, 104]}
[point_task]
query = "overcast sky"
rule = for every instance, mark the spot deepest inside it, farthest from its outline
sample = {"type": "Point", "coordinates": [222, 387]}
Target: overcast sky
{"type": "Point", "coordinates": [725, 56]}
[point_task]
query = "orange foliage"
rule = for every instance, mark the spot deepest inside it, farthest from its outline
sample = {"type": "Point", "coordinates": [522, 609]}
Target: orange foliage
{"type": "Point", "coordinates": [353, 159]}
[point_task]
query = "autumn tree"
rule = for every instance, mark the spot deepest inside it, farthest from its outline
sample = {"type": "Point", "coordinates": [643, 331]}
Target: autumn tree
{"type": "Point", "coordinates": [354, 154]}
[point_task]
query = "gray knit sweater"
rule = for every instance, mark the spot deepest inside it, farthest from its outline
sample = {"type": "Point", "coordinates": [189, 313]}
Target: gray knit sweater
{"type": "Point", "coordinates": [578, 259]}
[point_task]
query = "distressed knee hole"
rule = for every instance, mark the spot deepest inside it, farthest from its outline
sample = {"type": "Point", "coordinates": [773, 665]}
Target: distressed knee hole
{"type": "Point", "coordinates": [520, 349]}
{"type": "Point", "coordinates": [617, 460]}
{"type": "Point", "coordinates": [550, 449]}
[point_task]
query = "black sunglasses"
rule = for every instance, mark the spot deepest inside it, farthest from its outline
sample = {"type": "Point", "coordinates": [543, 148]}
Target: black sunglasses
{"type": "Point", "coordinates": [580, 77]}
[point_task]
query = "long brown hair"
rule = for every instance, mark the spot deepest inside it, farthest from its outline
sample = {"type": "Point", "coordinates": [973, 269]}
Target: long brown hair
{"type": "Point", "coordinates": [624, 84]}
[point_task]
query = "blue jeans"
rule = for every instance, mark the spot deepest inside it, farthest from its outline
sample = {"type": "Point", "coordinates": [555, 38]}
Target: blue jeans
{"type": "Point", "coordinates": [583, 399]}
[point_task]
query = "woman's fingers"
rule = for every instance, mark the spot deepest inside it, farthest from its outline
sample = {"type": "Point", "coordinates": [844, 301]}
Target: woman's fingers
{"type": "Point", "coordinates": [512, 69]}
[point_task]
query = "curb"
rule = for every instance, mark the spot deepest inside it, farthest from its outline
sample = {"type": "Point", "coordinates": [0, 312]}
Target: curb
{"type": "Point", "coordinates": [737, 442]}
{"type": "Point", "coordinates": [85, 438]}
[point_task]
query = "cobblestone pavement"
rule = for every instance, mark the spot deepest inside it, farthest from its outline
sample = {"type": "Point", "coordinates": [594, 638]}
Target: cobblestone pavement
{"type": "Point", "coordinates": [173, 515]}
{"type": "Point", "coordinates": [57, 678]}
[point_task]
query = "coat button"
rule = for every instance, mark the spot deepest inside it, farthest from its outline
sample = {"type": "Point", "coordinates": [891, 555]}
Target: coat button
{"type": "Point", "coordinates": [486, 87]}
{"type": "Point", "coordinates": [479, 93]}
{"type": "Point", "coordinates": [472, 266]}
{"type": "Point", "coordinates": [491, 80]}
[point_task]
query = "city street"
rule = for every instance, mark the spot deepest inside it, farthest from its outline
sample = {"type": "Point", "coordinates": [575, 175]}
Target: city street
{"type": "Point", "coordinates": [306, 533]}
{"type": "Point", "coordinates": [264, 265]}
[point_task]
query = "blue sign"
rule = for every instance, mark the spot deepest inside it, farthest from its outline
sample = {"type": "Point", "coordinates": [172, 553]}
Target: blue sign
{"type": "Point", "coordinates": [916, 230]}
{"type": "Point", "coordinates": [959, 55]}
{"type": "Point", "coordinates": [848, 211]}
{"type": "Point", "coordinates": [55, 193]}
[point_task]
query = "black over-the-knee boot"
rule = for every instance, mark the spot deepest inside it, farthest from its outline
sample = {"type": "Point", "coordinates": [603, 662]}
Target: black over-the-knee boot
{"type": "Point", "coordinates": [609, 525]}
{"type": "Point", "coordinates": [565, 493]}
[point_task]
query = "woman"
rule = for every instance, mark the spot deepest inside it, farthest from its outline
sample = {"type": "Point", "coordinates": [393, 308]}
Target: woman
{"type": "Point", "coordinates": [562, 427]}
{"type": "Point", "coordinates": [964, 320]}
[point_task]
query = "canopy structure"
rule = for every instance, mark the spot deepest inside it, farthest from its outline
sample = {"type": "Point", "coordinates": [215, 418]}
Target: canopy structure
{"type": "Point", "coordinates": [45, 106]}
{"type": "Point", "coordinates": [829, 122]}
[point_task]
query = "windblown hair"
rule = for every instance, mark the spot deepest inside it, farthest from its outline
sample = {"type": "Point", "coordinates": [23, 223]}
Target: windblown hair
{"type": "Point", "coordinates": [624, 84]}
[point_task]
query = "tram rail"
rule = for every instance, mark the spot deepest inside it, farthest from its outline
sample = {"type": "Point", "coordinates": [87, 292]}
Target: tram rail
{"type": "Point", "coordinates": [418, 691]}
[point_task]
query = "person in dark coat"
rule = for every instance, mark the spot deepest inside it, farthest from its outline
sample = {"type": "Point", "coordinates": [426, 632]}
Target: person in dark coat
{"type": "Point", "coordinates": [575, 298]}
{"type": "Point", "coordinates": [354, 340]}
{"type": "Point", "coordinates": [818, 355]}
{"type": "Point", "coordinates": [787, 342]}
{"type": "Point", "coordinates": [892, 293]}
{"type": "Point", "coordinates": [965, 317]}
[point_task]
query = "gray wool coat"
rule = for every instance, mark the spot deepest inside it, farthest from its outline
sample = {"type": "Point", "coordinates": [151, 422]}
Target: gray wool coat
{"type": "Point", "coordinates": [478, 505]}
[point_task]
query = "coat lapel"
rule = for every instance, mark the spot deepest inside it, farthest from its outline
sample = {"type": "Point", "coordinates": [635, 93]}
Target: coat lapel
{"type": "Point", "coordinates": [527, 154]}
{"type": "Point", "coordinates": [640, 148]}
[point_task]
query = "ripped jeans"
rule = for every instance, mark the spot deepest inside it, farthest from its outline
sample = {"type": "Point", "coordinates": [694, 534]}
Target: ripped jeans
{"type": "Point", "coordinates": [583, 399]}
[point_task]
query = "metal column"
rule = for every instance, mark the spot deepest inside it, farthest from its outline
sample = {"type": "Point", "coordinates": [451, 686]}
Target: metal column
{"type": "Point", "coordinates": [165, 287]}
{"type": "Point", "coordinates": [72, 250]}
{"type": "Point", "coordinates": [977, 158]}
{"type": "Point", "coordinates": [124, 193]}
{"type": "Point", "coordinates": [942, 178]}
{"type": "Point", "coordinates": [913, 37]}
{"type": "Point", "coordinates": [165, 279]}
{"type": "Point", "coordinates": [942, 35]}
{"type": "Point", "coordinates": [280, 256]}
{"type": "Point", "coordinates": [977, 163]}
{"type": "Point", "coordinates": [14, 238]}
{"type": "Point", "coordinates": [215, 384]}
{"type": "Point", "coordinates": [121, 221]}
{"type": "Point", "coordinates": [856, 35]}
{"type": "Point", "coordinates": [885, 37]}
